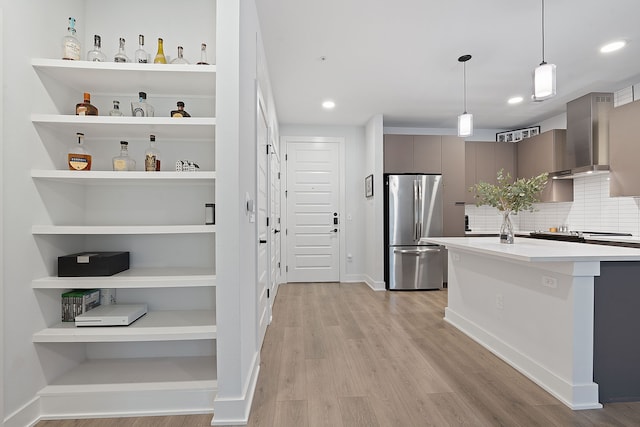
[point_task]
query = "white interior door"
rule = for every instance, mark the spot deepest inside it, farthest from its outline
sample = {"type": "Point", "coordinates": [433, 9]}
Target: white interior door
{"type": "Point", "coordinates": [313, 221]}
{"type": "Point", "coordinates": [263, 229]}
{"type": "Point", "coordinates": [276, 223]}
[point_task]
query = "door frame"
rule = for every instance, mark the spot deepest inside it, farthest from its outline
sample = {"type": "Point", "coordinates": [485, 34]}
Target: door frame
{"type": "Point", "coordinates": [262, 155]}
{"type": "Point", "coordinates": [284, 144]}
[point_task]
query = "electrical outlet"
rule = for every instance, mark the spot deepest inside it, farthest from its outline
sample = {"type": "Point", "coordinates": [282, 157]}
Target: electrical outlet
{"type": "Point", "coordinates": [455, 256]}
{"type": "Point", "coordinates": [499, 302]}
{"type": "Point", "coordinates": [549, 282]}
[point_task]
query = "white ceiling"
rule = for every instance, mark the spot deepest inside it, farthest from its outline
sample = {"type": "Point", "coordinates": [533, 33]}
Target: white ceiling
{"type": "Point", "coordinates": [399, 58]}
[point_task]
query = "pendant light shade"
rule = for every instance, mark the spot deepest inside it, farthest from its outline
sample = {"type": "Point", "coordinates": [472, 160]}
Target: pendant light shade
{"type": "Point", "coordinates": [544, 81]}
{"type": "Point", "coordinates": [544, 76]}
{"type": "Point", "coordinates": [465, 124]}
{"type": "Point", "coordinates": [465, 120]}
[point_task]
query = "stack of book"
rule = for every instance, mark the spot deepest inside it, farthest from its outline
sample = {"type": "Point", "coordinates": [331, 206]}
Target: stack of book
{"type": "Point", "coordinates": [77, 302]}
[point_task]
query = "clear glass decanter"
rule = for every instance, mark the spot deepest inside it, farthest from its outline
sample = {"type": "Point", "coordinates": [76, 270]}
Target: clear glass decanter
{"type": "Point", "coordinates": [180, 59]}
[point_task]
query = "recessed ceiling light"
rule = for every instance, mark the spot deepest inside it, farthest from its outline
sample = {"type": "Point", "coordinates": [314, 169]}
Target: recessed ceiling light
{"type": "Point", "coordinates": [515, 100]}
{"type": "Point", "coordinates": [328, 105]}
{"type": "Point", "coordinates": [613, 46]}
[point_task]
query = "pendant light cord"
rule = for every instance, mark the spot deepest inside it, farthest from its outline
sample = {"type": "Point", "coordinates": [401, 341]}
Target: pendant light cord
{"type": "Point", "coordinates": [543, 61]}
{"type": "Point", "coordinates": [464, 85]}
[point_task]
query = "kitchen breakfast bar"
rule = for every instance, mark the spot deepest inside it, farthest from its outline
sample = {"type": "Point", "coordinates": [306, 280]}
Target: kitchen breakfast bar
{"type": "Point", "coordinates": [564, 314]}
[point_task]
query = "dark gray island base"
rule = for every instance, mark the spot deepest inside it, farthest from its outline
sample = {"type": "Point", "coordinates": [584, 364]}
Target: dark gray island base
{"type": "Point", "coordinates": [616, 332]}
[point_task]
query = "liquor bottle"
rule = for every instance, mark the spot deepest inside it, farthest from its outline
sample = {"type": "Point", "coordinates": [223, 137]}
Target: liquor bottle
{"type": "Point", "coordinates": [152, 156]}
{"type": "Point", "coordinates": [85, 108]}
{"type": "Point", "coordinates": [141, 108]}
{"type": "Point", "coordinates": [96, 54]}
{"type": "Point", "coordinates": [123, 162]}
{"type": "Point", "coordinates": [180, 59]}
{"type": "Point", "coordinates": [160, 58]}
{"type": "Point", "coordinates": [141, 56]}
{"type": "Point", "coordinates": [116, 109]}
{"type": "Point", "coordinates": [78, 157]}
{"type": "Point", "coordinates": [70, 43]}
{"type": "Point", "coordinates": [203, 55]}
{"type": "Point", "coordinates": [121, 56]}
{"type": "Point", "coordinates": [180, 111]}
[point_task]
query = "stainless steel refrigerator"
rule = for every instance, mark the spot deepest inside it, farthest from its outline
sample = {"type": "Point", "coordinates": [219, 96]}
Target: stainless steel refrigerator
{"type": "Point", "coordinates": [414, 210]}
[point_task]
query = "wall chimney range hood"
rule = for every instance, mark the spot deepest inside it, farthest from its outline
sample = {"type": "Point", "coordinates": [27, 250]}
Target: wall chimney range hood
{"type": "Point", "coordinates": [587, 146]}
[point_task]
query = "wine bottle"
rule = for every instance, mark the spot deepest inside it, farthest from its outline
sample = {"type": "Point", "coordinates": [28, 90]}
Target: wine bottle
{"type": "Point", "coordinates": [141, 56]}
{"type": "Point", "coordinates": [180, 111]}
{"type": "Point", "coordinates": [78, 157]}
{"type": "Point", "coordinates": [70, 43]}
{"type": "Point", "coordinates": [85, 108]}
{"type": "Point", "coordinates": [96, 54]}
{"type": "Point", "coordinates": [160, 58]}
{"type": "Point", "coordinates": [203, 55]}
{"type": "Point", "coordinates": [142, 108]}
{"type": "Point", "coordinates": [123, 162]}
{"type": "Point", "coordinates": [121, 56]}
{"type": "Point", "coordinates": [152, 156]}
{"type": "Point", "coordinates": [116, 109]}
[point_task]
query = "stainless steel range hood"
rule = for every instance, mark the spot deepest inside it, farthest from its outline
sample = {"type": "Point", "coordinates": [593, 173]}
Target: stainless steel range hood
{"type": "Point", "coordinates": [587, 146]}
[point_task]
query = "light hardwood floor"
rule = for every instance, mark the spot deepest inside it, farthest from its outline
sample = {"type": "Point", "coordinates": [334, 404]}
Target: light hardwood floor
{"type": "Point", "coordinates": [341, 355]}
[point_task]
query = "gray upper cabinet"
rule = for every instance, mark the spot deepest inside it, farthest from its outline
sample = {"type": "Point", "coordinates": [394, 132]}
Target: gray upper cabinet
{"type": "Point", "coordinates": [624, 150]}
{"type": "Point", "coordinates": [483, 160]}
{"type": "Point", "coordinates": [427, 153]}
{"type": "Point", "coordinates": [544, 153]}
{"type": "Point", "coordinates": [412, 154]}
{"type": "Point", "coordinates": [398, 153]}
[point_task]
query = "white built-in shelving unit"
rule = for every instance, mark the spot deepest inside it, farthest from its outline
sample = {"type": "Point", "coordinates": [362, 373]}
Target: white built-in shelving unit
{"type": "Point", "coordinates": [157, 216]}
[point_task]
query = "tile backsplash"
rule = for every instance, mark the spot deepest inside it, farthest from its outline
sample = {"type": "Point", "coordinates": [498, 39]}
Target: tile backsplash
{"type": "Point", "coordinates": [591, 210]}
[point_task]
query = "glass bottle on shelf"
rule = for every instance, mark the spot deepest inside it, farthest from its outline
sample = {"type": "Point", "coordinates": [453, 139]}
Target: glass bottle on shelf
{"type": "Point", "coordinates": [70, 43]}
{"type": "Point", "coordinates": [96, 54]}
{"type": "Point", "coordinates": [141, 108]}
{"type": "Point", "coordinates": [203, 55]}
{"type": "Point", "coordinates": [160, 58]}
{"type": "Point", "coordinates": [78, 157]}
{"type": "Point", "coordinates": [123, 162]}
{"type": "Point", "coordinates": [141, 56]}
{"type": "Point", "coordinates": [152, 156]}
{"type": "Point", "coordinates": [180, 59]}
{"type": "Point", "coordinates": [180, 111]}
{"type": "Point", "coordinates": [116, 109]}
{"type": "Point", "coordinates": [85, 108]}
{"type": "Point", "coordinates": [121, 56]}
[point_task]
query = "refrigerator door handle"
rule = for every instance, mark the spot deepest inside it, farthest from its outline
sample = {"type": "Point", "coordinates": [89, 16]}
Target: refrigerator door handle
{"type": "Point", "coordinates": [415, 251]}
{"type": "Point", "coordinates": [421, 205]}
{"type": "Point", "coordinates": [416, 205]}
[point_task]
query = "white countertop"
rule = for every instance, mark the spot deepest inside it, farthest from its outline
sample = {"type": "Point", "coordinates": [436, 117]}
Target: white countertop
{"type": "Point", "coordinates": [536, 250]}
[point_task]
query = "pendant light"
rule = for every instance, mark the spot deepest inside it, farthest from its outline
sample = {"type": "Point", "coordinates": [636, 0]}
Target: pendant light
{"type": "Point", "coordinates": [465, 120]}
{"type": "Point", "coordinates": [544, 76]}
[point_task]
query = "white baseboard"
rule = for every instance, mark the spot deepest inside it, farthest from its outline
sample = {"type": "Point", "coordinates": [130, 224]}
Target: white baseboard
{"type": "Point", "coordinates": [363, 278]}
{"type": "Point", "coordinates": [28, 415]}
{"type": "Point", "coordinates": [575, 396]}
{"type": "Point", "coordinates": [234, 411]}
{"type": "Point", "coordinates": [126, 403]}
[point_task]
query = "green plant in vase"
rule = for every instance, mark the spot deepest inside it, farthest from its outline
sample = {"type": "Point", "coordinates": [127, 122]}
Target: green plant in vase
{"type": "Point", "coordinates": [509, 196]}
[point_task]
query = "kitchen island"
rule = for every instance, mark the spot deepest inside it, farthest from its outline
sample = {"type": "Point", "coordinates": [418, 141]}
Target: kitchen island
{"type": "Point", "coordinates": [561, 313]}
